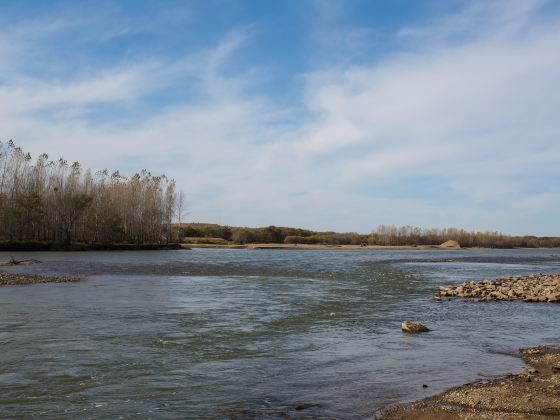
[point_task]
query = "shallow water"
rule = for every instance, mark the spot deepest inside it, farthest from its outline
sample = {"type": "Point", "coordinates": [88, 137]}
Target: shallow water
{"type": "Point", "coordinates": [256, 333]}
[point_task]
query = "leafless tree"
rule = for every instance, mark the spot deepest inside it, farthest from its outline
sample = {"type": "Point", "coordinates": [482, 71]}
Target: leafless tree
{"type": "Point", "coordinates": [54, 201]}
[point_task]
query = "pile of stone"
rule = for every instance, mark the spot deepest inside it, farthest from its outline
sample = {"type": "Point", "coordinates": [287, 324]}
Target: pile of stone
{"type": "Point", "coordinates": [12, 279]}
{"type": "Point", "coordinates": [533, 288]}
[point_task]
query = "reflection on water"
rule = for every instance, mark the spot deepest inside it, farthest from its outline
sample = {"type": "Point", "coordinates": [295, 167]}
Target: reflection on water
{"type": "Point", "coordinates": [256, 333]}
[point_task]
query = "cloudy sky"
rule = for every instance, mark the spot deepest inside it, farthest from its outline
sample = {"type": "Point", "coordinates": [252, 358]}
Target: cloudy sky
{"type": "Point", "coordinates": [321, 114]}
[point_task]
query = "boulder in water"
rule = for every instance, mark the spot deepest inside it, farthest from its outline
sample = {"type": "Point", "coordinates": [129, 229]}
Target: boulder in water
{"type": "Point", "coordinates": [413, 327]}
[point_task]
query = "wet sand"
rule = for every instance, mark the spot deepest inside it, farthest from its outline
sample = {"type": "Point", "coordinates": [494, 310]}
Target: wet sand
{"type": "Point", "coordinates": [532, 394]}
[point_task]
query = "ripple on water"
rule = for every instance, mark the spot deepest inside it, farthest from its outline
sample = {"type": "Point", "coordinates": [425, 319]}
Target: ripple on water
{"type": "Point", "coordinates": [15, 379]}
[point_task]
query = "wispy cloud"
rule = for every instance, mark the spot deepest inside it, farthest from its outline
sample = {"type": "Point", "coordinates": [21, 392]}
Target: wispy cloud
{"type": "Point", "coordinates": [467, 105]}
{"type": "Point", "coordinates": [480, 108]}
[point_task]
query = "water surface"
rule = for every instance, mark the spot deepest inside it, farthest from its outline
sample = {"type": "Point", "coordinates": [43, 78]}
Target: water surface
{"type": "Point", "coordinates": [256, 333]}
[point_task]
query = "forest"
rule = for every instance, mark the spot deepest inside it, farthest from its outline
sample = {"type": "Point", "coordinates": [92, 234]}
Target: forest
{"type": "Point", "coordinates": [58, 202]}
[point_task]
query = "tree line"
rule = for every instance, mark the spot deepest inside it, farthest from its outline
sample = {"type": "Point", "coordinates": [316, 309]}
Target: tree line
{"type": "Point", "coordinates": [388, 235]}
{"type": "Point", "coordinates": [238, 235]}
{"type": "Point", "coordinates": [56, 201]}
{"type": "Point", "coordinates": [410, 235]}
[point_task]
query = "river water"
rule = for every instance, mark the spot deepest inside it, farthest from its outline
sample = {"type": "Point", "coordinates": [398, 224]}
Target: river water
{"type": "Point", "coordinates": [256, 333]}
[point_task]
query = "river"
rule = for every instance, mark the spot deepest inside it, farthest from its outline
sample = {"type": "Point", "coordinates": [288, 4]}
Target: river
{"type": "Point", "coordinates": [256, 333]}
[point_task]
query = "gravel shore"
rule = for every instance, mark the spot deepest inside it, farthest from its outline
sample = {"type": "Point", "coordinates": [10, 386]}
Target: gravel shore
{"type": "Point", "coordinates": [533, 288]}
{"type": "Point", "coordinates": [532, 394]}
{"type": "Point", "coordinates": [12, 279]}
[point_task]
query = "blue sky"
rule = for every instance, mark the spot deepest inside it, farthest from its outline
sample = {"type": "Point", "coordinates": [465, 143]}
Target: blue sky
{"type": "Point", "coordinates": [322, 114]}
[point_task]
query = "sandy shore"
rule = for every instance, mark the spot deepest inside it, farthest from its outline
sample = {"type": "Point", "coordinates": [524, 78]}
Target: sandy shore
{"type": "Point", "coordinates": [312, 247]}
{"type": "Point", "coordinates": [532, 394]}
{"type": "Point", "coordinates": [13, 279]}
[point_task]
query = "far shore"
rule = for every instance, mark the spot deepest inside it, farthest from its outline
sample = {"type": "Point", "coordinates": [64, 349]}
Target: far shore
{"type": "Point", "coordinates": [77, 246]}
{"type": "Point", "coordinates": [334, 247]}
{"type": "Point", "coordinates": [48, 246]}
{"type": "Point", "coordinates": [313, 246]}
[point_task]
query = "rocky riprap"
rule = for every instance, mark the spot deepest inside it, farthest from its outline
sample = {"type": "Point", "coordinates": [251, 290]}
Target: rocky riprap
{"type": "Point", "coordinates": [13, 279]}
{"type": "Point", "coordinates": [533, 288]}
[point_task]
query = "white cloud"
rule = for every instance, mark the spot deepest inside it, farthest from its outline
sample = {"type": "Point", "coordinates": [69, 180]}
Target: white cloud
{"type": "Point", "coordinates": [454, 111]}
{"type": "Point", "coordinates": [477, 116]}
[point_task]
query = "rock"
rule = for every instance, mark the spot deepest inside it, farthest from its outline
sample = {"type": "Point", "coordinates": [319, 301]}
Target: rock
{"type": "Point", "coordinates": [534, 288]}
{"type": "Point", "coordinates": [529, 371]}
{"type": "Point", "coordinates": [532, 350]}
{"type": "Point", "coordinates": [306, 406]}
{"type": "Point", "coordinates": [413, 327]}
{"type": "Point", "coordinates": [450, 244]}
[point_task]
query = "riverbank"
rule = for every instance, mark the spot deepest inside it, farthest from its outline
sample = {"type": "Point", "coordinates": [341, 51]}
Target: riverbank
{"type": "Point", "coordinates": [14, 279]}
{"type": "Point", "coordinates": [50, 246]}
{"type": "Point", "coordinates": [532, 394]}
{"type": "Point", "coordinates": [532, 288]}
{"type": "Point", "coordinates": [316, 247]}
{"type": "Point", "coordinates": [227, 245]}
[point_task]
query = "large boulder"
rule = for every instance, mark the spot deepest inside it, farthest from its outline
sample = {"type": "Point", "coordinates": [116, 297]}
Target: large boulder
{"type": "Point", "coordinates": [413, 327]}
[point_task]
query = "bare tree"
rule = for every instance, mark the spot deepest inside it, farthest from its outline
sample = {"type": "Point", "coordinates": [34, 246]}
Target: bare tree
{"type": "Point", "coordinates": [180, 206]}
{"type": "Point", "coordinates": [54, 201]}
